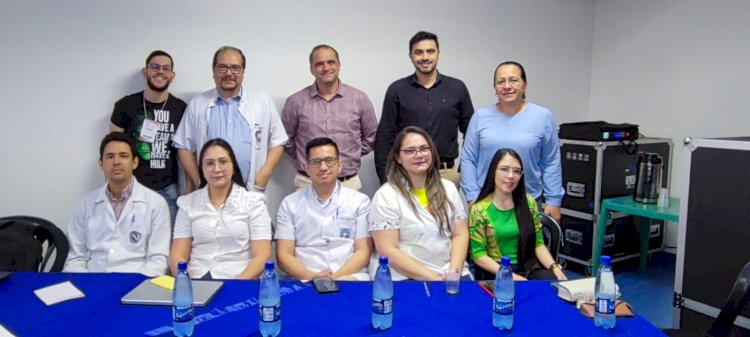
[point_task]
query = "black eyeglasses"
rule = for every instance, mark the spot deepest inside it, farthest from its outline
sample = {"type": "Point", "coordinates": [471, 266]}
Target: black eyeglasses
{"type": "Point", "coordinates": [318, 161]}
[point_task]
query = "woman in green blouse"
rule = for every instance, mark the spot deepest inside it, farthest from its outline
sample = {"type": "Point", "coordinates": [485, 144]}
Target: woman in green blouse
{"type": "Point", "coordinates": [505, 222]}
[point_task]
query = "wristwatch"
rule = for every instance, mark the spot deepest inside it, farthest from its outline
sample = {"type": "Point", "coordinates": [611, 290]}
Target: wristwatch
{"type": "Point", "coordinates": [555, 265]}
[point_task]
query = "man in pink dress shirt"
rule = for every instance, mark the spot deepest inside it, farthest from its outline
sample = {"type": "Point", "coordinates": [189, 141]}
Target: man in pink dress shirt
{"type": "Point", "coordinates": [329, 108]}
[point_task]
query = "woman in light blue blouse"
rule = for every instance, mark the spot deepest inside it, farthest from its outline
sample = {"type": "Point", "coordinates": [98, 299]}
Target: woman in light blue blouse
{"type": "Point", "coordinates": [513, 122]}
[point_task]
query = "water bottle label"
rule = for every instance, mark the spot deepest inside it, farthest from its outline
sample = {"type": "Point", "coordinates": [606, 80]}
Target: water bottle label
{"type": "Point", "coordinates": [269, 314]}
{"type": "Point", "coordinates": [503, 307]}
{"type": "Point", "coordinates": [605, 306]}
{"type": "Point", "coordinates": [382, 307]}
{"type": "Point", "coordinates": [183, 314]}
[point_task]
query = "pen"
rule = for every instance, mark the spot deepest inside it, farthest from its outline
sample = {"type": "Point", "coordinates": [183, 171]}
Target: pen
{"type": "Point", "coordinates": [426, 290]}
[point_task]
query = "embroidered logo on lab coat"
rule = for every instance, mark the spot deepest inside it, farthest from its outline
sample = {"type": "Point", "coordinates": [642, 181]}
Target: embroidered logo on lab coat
{"type": "Point", "coordinates": [135, 237]}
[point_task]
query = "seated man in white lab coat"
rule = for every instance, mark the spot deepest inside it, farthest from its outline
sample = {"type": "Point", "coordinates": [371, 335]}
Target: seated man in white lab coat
{"type": "Point", "coordinates": [321, 229]}
{"type": "Point", "coordinates": [122, 226]}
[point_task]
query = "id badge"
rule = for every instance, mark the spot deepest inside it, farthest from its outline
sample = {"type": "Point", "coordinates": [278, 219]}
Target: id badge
{"type": "Point", "coordinates": [345, 233]}
{"type": "Point", "coordinates": [148, 131]}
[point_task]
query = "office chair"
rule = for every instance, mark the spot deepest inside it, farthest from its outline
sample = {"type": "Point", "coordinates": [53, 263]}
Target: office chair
{"type": "Point", "coordinates": [552, 234]}
{"type": "Point", "coordinates": [45, 232]}
{"type": "Point", "coordinates": [736, 304]}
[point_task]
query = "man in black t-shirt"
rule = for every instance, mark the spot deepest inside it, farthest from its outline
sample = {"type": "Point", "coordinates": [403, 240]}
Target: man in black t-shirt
{"type": "Point", "coordinates": [151, 117]}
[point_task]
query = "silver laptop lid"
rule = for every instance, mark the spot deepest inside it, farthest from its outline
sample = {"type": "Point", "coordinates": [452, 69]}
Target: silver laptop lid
{"type": "Point", "coordinates": [148, 293]}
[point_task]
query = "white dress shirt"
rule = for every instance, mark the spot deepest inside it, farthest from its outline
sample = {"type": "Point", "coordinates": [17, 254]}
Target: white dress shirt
{"type": "Point", "coordinates": [137, 242]}
{"type": "Point", "coordinates": [324, 231]}
{"type": "Point", "coordinates": [222, 237]}
{"type": "Point", "coordinates": [419, 236]}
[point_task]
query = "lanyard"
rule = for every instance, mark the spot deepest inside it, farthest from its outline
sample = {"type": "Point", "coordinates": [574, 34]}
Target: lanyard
{"type": "Point", "coordinates": [145, 112]}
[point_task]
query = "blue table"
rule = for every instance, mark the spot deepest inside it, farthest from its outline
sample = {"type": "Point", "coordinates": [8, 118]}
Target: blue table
{"type": "Point", "coordinates": [627, 205]}
{"type": "Point", "coordinates": [233, 312]}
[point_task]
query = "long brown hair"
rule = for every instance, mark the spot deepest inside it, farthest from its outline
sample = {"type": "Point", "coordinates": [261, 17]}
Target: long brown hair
{"type": "Point", "coordinates": [399, 178]}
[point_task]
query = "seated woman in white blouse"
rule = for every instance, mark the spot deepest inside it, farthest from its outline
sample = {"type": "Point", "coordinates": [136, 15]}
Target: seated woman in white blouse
{"type": "Point", "coordinates": [222, 230]}
{"type": "Point", "coordinates": [418, 219]}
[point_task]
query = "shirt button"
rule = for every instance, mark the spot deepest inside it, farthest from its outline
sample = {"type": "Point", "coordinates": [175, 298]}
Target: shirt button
{"type": "Point", "coordinates": [111, 251]}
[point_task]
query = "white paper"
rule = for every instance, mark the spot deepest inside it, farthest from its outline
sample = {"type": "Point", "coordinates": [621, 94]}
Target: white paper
{"type": "Point", "coordinates": [581, 289]}
{"type": "Point", "coordinates": [5, 333]}
{"type": "Point", "coordinates": [58, 292]}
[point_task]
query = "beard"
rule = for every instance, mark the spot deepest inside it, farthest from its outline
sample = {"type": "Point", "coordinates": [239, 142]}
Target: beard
{"type": "Point", "coordinates": [156, 88]}
{"type": "Point", "coordinates": [429, 70]}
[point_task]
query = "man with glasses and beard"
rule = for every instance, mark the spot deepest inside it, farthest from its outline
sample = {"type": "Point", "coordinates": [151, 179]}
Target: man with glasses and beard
{"type": "Point", "coordinates": [247, 119]}
{"type": "Point", "coordinates": [151, 118]}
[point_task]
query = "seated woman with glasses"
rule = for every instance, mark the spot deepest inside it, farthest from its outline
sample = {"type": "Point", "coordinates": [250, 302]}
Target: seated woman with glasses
{"type": "Point", "coordinates": [505, 222]}
{"type": "Point", "coordinates": [515, 123]}
{"type": "Point", "coordinates": [418, 219]}
{"type": "Point", "coordinates": [222, 229]}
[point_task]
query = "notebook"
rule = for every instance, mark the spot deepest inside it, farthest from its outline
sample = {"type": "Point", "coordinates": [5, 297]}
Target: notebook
{"type": "Point", "coordinates": [581, 289]}
{"type": "Point", "coordinates": [148, 293]}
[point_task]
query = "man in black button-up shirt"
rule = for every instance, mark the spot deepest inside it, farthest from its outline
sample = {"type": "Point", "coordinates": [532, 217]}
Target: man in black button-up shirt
{"type": "Point", "coordinates": [435, 102]}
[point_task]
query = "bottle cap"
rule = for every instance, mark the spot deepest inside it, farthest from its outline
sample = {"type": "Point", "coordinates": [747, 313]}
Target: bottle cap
{"type": "Point", "coordinates": [182, 266]}
{"type": "Point", "coordinates": [505, 261]}
{"type": "Point", "coordinates": [383, 260]}
{"type": "Point", "coordinates": [605, 260]}
{"type": "Point", "coordinates": [269, 265]}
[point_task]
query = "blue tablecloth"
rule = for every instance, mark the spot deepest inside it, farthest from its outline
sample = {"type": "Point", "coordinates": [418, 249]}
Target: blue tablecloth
{"type": "Point", "coordinates": [233, 312]}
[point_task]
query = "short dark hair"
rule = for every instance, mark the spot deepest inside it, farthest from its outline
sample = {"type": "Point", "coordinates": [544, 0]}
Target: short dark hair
{"type": "Point", "coordinates": [320, 141]}
{"type": "Point", "coordinates": [156, 53]}
{"type": "Point", "coordinates": [321, 46]}
{"type": "Point", "coordinates": [117, 137]}
{"type": "Point", "coordinates": [236, 173]}
{"type": "Point", "coordinates": [421, 36]}
{"type": "Point", "coordinates": [226, 48]}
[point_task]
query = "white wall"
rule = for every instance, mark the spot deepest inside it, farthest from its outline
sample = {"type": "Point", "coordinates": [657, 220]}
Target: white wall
{"type": "Point", "coordinates": [64, 63]}
{"type": "Point", "coordinates": [678, 68]}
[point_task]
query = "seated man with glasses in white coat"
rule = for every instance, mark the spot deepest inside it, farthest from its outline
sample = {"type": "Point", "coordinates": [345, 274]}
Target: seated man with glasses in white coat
{"type": "Point", "coordinates": [123, 226]}
{"type": "Point", "coordinates": [321, 229]}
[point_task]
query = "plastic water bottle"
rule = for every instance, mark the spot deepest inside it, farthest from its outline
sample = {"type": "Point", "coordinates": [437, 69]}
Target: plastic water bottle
{"type": "Point", "coordinates": [604, 315]}
{"type": "Point", "coordinates": [382, 297]}
{"type": "Point", "coordinates": [505, 294]}
{"type": "Point", "coordinates": [182, 303]}
{"type": "Point", "coordinates": [269, 321]}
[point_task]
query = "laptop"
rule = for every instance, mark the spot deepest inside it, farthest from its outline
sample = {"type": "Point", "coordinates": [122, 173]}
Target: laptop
{"type": "Point", "coordinates": [4, 274]}
{"type": "Point", "coordinates": [148, 293]}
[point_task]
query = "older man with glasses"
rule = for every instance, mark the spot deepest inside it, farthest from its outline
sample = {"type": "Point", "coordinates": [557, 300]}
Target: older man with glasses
{"type": "Point", "coordinates": [321, 229]}
{"type": "Point", "coordinates": [150, 117]}
{"type": "Point", "coordinates": [247, 119]}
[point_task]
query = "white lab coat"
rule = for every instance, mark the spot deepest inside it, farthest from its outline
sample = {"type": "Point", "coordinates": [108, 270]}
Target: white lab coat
{"type": "Point", "coordinates": [136, 243]}
{"type": "Point", "coordinates": [258, 110]}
